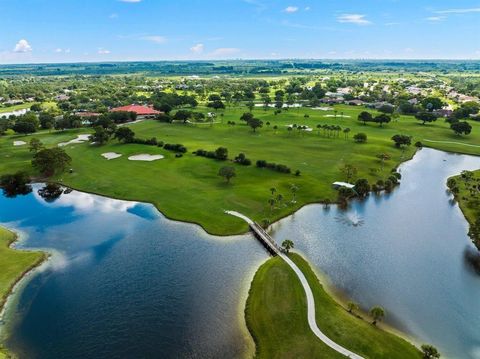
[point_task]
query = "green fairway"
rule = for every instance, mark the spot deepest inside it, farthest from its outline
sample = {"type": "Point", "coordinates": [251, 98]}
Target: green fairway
{"type": "Point", "coordinates": [469, 202]}
{"type": "Point", "coordinates": [13, 264]}
{"type": "Point", "coordinates": [276, 315]}
{"type": "Point", "coordinates": [189, 188]}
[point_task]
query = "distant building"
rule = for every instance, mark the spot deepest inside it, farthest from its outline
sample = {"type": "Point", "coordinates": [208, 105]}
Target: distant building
{"type": "Point", "coordinates": [62, 97]}
{"type": "Point", "coordinates": [141, 111]}
{"type": "Point", "coordinates": [355, 102]}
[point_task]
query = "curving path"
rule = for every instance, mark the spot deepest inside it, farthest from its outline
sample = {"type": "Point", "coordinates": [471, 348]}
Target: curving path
{"type": "Point", "coordinates": [310, 300]}
{"type": "Point", "coordinates": [452, 143]}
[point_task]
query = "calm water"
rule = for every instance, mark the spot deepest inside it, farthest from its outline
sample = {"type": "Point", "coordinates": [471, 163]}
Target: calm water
{"type": "Point", "coordinates": [127, 283]}
{"type": "Point", "coordinates": [407, 253]}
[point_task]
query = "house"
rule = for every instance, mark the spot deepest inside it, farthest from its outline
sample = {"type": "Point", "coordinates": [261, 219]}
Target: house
{"type": "Point", "coordinates": [355, 102]}
{"type": "Point", "coordinates": [141, 111]}
{"type": "Point", "coordinates": [62, 97]}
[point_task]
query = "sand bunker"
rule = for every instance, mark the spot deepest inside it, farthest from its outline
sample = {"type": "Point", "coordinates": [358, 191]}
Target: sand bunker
{"type": "Point", "coordinates": [111, 155]}
{"type": "Point", "coordinates": [19, 143]}
{"type": "Point", "coordinates": [344, 116]}
{"type": "Point", "coordinates": [145, 157]}
{"type": "Point", "coordinates": [323, 108]}
{"type": "Point", "coordinates": [79, 139]}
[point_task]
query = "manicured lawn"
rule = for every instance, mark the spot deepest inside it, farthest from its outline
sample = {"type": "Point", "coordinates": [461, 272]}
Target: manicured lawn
{"type": "Point", "coordinates": [276, 315]}
{"type": "Point", "coordinates": [189, 188]}
{"type": "Point", "coordinates": [470, 205]}
{"type": "Point", "coordinates": [13, 264]}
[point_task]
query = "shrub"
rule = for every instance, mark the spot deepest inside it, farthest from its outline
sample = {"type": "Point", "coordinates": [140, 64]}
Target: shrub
{"type": "Point", "coordinates": [273, 166]}
{"type": "Point", "coordinates": [241, 159]}
{"type": "Point", "coordinates": [175, 147]}
{"type": "Point", "coordinates": [360, 137]}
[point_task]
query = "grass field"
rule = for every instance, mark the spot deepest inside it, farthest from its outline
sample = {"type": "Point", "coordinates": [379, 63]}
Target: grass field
{"type": "Point", "coordinates": [189, 188]}
{"type": "Point", "coordinates": [13, 264]}
{"type": "Point", "coordinates": [276, 316]}
{"type": "Point", "coordinates": [469, 204]}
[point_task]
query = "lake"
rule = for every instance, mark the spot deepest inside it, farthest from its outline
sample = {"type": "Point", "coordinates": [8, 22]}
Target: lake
{"type": "Point", "coordinates": [404, 251]}
{"type": "Point", "coordinates": [126, 282]}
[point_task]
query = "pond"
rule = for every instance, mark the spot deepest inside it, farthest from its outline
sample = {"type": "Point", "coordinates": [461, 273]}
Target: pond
{"type": "Point", "coordinates": [124, 281]}
{"type": "Point", "coordinates": [406, 251]}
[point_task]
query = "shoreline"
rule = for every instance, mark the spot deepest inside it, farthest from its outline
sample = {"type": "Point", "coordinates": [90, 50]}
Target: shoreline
{"type": "Point", "coordinates": [258, 294]}
{"type": "Point", "coordinates": [331, 290]}
{"type": "Point", "coordinates": [7, 297]}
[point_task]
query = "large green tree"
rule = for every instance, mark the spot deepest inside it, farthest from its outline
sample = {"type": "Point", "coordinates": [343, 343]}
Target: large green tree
{"type": "Point", "coordinates": [50, 161]}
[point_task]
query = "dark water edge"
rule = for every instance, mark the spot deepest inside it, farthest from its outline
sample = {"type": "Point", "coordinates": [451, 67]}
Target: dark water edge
{"type": "Point", "coordinates": [126, 282]}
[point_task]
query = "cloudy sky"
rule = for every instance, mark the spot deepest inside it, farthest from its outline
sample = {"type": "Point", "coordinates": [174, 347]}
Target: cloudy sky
{"type": "Point", "coordinates": [111, 30]}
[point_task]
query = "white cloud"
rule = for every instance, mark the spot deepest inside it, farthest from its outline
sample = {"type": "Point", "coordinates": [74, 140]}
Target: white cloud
{"type": "Point", "coordinates": [435, 18]}
{"type": "Point", "coordinates": [307, 8]}
{"type": "Point", "coordinates": [291, 9]}
{"type": "Point", "coordinates": [22, 46]}
{"type": "Point", "coordinates": [225, 52]}
{"type": "Point", "coordinates": [102, 51]}
{"type": "Point", "coordinates": [458, 11]}
{"type": "Point", "coordinates": [155, 38]}
{"type": "Point", "coordinates": [59, 51]}
{"type": "Point", "coordinates": [113, 16]}
{"type": "Point", "coordinates": [197, 49]}
{"type": "Point", "coordinates": [356, 19]}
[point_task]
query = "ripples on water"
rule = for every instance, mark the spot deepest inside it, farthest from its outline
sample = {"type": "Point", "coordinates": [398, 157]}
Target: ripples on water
{"type": "Point", "coordinates": [406, 253]}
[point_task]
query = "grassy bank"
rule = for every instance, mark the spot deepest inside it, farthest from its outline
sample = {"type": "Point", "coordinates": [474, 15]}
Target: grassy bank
{"type": "Point", "coordinates": [189, 189]}
{"type": "Point", "coordinates": [468, 198]}
{"type": "Point", "coordinates": [13, 266]}
{"type": "Point", "coordinates": [276, 315]}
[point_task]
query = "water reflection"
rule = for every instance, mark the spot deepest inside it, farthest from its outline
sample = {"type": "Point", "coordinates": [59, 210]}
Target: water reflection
{"type": "Point", "coordinates": [408, 255]}
{"type": "Point", "coordinates": [126, 282]}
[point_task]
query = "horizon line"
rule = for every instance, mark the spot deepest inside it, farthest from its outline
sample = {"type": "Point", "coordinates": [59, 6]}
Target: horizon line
{"type": "Point", "coordinates": [245, 59]}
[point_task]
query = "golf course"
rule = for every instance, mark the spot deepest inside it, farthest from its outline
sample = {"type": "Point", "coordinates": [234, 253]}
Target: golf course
{"type": "Point", "coordinates": [189, 188]}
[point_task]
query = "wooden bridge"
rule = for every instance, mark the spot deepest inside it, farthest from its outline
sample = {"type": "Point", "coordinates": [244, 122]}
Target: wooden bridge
{"type": "Point", "coordinates": [265, 239]}
{"type": "Point", "coordinates": [259, 233]}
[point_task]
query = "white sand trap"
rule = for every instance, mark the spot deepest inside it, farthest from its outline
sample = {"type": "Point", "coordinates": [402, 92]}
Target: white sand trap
{"type": "Point", "coordinates": [323, 108]}
{"type": "Point", "coordinates": [145, 157]}
{"type": "Point", "coordinates": [111, 155]}
{"type": "Point", "coordinates": [19, 143]}
{"type": "Point", "coordinates": [344, 116]}
{"type": "Point", "coordinates": [79, 139]}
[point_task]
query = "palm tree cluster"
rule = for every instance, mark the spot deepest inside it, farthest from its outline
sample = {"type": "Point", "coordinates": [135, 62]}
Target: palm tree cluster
{"type": "Point", "coordinates": [333, 131]}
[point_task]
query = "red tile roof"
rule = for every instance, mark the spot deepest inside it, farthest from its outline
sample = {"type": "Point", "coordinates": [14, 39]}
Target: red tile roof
{"type": "Point", "coordinates": [139, 110]}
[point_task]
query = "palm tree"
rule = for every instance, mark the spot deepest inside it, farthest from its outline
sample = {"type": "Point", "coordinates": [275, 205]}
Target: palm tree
{"type": "Point", "coordinates": [383, 157]}
{"type": "Point", "coordinates": [377, 313]}
{"type": "Point", "coordinates": [352, 307]}
{"type": "Point", "coordinates": [287, 244]}
{"type": "Point", "coordinates": [279, 198]}
{"type": "Point", "coordinates": [294, 190]}
{"type": "Point", "coordinates": [346, 131]}
{"type": "Point", "coordinates": [273, 190]}
{"type": "Point", "coordinates": [271, 202]}
{"type": "Point", "coordinates": [326, 202]}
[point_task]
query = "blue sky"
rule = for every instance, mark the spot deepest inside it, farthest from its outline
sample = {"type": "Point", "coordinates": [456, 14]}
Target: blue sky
{"type": "Point", "coordinates": [110, 30]}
